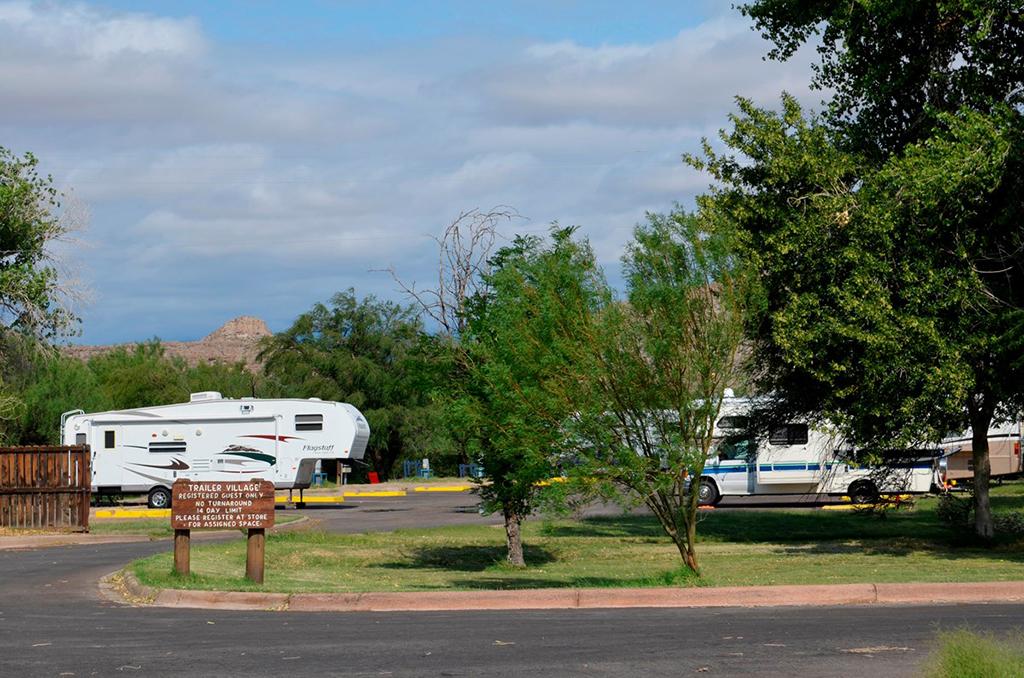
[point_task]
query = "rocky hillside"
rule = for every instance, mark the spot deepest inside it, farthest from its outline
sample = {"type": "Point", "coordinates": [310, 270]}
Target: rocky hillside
{"type": "Point", "coordinates": [236, 341]}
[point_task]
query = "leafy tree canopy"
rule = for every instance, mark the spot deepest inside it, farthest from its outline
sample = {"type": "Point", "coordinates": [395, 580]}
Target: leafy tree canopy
{"type": "Point", "coordinates": [31, 293]}
{"type": "Point", "coordinates": [360, 351]}
{"type": "Point", "coordinates": [893, 68]}
{"type": "Point", "coordinates": [879, 305]}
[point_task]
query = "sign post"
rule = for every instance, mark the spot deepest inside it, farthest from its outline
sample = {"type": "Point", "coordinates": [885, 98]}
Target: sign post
{"type": "Point", "coordinates": [182, 551]}
{"type": "Point", "coordinates": [204, 505]}
{"type": "Point", "coordinates": [255, 549]}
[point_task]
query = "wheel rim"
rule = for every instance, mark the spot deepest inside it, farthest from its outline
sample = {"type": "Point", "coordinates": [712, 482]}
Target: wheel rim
{"type": "Point", "coordinates": [704, 494]}
{"type": "Point", "coordinates": [159, 499]}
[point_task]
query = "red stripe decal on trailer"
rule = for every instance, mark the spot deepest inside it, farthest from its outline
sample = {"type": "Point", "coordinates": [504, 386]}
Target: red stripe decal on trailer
{"type": "Point", "coordinates": [283, 439]}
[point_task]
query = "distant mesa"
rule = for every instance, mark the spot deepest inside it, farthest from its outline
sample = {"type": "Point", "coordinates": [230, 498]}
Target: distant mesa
{"type": "Point", "coordinates": [235, 341]}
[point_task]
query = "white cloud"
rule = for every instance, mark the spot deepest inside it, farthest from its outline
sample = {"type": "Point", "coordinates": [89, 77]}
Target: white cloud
{"type": "Point", "coordinates": [579, 57]}
{"type": "Point", "coordinates": [244, 181]}
{"type": "Point", "coordinates": [690, 79]}
{"type": "Point", "coordinates": [81, 31]}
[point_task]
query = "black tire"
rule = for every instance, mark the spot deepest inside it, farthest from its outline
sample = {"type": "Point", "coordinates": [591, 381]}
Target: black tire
{"type": "Point", "coordinates": [159, 498]}
{"type": "Point", "coordinates": [707, 492]}
{"type": "Point", "coordinates": [863, 492]}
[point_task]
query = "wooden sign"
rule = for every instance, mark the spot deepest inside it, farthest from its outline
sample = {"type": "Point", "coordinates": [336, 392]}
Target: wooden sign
{"type": "Point", "coordinates": [213, 505]}
{"type": "Point", "coordinates": [202, 505]}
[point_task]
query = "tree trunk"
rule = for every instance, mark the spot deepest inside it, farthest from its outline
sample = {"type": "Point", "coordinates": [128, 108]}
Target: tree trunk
{"type": "Point", "coordinates": [982, 474]}
{"type": "Point", "coordinates": [687, 550]}
{"type": "Point", "coordinates": [514, 538]}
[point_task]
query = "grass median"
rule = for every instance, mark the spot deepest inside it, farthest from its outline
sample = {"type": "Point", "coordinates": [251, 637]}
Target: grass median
{"type": "Point", "coordinates": [737, 548]}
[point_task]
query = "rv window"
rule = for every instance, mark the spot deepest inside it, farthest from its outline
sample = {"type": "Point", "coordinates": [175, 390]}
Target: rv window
{"type": "Point", "coordinates": [741, 449]}
{"type": "Point", "coordinates": [309, 422]}
{"type": "Point", "coordinates": [108, 440]}
{"type": "Point", "coordinates": [733, 422]}
{"type": "Point", "coordinates": [789, 434]}
{"type": "Point", "coordinates": [168, 447]}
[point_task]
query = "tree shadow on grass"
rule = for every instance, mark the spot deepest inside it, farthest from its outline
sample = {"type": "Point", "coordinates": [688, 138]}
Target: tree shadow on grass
{"type": "Point", "coordinates": [466, 558]}
{"type": "Point", "coordinates": [1007, 503]}
{"type": "Point", "coordinates": [760, 526]}
{"type": "Point", "coordinates": [948, 549]}
{"type": "Point", "coordinates": [606, 526]}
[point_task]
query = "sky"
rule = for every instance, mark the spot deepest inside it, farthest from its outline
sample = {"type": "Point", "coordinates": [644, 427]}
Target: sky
{"type": "Point", "coordinates": [254, 158]}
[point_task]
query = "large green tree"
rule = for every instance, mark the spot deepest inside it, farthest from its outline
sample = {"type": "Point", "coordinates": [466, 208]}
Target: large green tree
{"type": "Point", "coordinates": [32, 294]}
{"type": "Point", "coordinates": [361, 351]}
{"type": "Point", "coordinates": [892, 68]}
{"type": "Point", "coordinates": [887, 229]}
{"type": "Point", "coordinates": [34, 297]}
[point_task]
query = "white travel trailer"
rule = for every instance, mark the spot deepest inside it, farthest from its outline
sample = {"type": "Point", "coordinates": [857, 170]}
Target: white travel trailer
{"type": "Point", "coordinates": [214, 438]}
{"type": "Point", "coordinates": [797, 459]}
{"type": "Point", "coordinates": [1004, 452]}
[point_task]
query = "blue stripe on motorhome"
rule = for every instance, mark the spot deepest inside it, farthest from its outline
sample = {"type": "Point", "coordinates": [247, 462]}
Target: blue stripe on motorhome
{"type": "Point", "coordinates": [721, 470]}
{"type": "Point", "coordinates": [797, 466]}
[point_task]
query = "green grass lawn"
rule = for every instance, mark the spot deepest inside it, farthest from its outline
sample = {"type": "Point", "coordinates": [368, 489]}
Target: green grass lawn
{"type": "Point", "coordinates": [736, 548]}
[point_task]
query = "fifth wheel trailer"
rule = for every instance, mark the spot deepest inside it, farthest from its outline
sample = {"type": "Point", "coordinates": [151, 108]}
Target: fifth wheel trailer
{"type": "Point", "coordinates": [1004, 452]}
{"type": "Point", "coordinates": [210, 437]}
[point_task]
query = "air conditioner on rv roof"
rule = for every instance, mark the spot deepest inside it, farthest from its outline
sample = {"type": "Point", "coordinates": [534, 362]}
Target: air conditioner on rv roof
{"type": "Point", "coordinates": [205, 395]}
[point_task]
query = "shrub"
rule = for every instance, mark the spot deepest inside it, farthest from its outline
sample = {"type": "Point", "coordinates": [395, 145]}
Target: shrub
{"type": "Point", "coordinates": [955, 510]}
{"type": "Point", "coordinates": [1009, 523]}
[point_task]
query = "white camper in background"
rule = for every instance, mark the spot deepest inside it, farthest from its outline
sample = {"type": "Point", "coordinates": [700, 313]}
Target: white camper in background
{"type": "Point", "coordinates": [1004, 452]}
{"type": "Point", "coordinates": [797, 459]}
{"type": "Point", "coordinates": [214, 438]}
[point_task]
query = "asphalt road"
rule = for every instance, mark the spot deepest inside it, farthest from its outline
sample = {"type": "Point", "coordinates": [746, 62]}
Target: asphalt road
{"type": "Point", "coordinates": [434, 509]}
{"type": "Point", "coordinates": [53, 622]}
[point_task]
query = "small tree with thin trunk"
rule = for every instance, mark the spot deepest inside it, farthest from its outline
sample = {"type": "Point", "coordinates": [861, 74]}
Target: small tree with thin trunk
{"type": "Point", "coordinates": [649, 381]}
{"type": "Point", "coordinates": [522, 327]}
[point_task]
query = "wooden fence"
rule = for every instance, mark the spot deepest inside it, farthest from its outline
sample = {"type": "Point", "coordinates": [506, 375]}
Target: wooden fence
{"type": "Point", "coordinates": [45, 487]}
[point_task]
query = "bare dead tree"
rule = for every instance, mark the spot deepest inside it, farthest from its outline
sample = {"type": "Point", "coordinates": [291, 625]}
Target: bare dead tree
{"type": "Point", "coordinates": [463, 251]}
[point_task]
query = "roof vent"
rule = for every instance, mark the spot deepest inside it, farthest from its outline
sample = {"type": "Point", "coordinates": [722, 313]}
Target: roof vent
{"type": "Point", "coordinates": [205, 395]}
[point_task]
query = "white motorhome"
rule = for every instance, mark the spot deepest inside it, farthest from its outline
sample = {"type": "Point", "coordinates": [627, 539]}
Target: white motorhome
{"type": "Point", "coordinates": [795, 458]}
{"type": "Point", "coordinates": [214, 438]}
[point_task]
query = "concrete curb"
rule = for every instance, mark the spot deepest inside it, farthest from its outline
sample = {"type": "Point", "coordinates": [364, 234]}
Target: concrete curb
{"type": "Point", "coordinates": [562, 599]}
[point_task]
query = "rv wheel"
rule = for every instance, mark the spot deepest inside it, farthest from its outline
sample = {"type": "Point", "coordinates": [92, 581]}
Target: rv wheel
{"type": "Point", "coordinates": [863, 492]}
{"type": "Point", "coordinates": [707, 493]}
{"type": "Point", "coordinates": [159, 497]}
